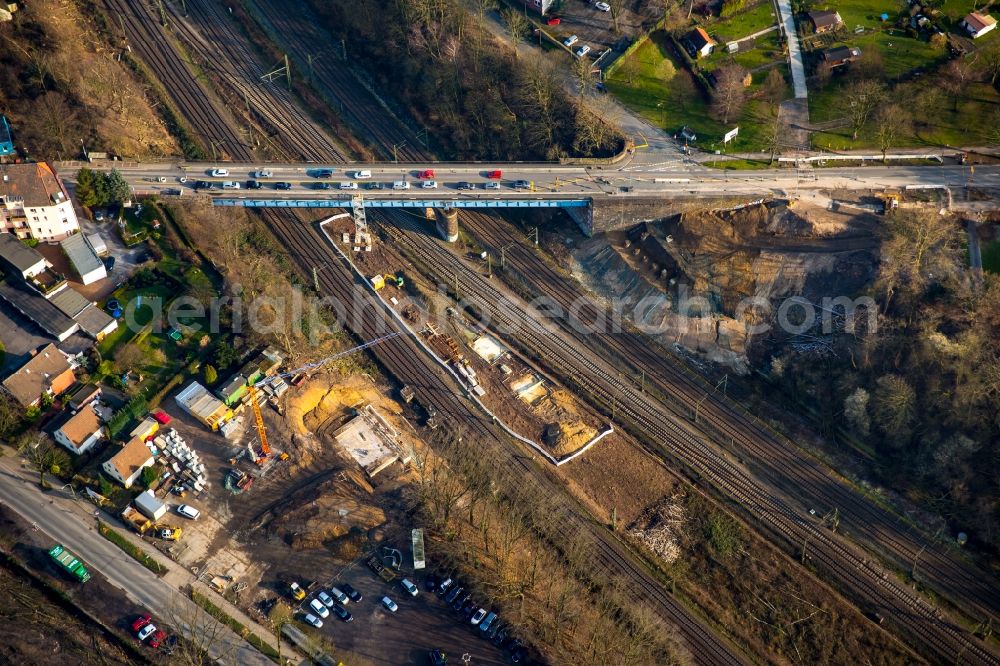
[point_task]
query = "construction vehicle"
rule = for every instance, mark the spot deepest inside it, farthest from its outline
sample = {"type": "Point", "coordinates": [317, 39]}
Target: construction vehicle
{"type": "Point", "coordinates": [237, 481]}
{"type": "Point", "coordinates": [296, 590]}
{"type": "Point", "coordinates": [169, 533]}
{"type": "Point", "coordinates": [265, 448]}
{"type": "Point", "coordinates": [70, 562]}
{"type": "Point", "coordinates": [890, 201]}
{"type": "Point", "coordinates": [376, 565]}
{"type": "Point", "coordinates": [136, 520]}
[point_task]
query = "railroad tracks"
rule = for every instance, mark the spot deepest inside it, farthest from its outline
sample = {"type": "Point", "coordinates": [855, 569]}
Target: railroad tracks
{"type": "Point", "coordinates": [860, 575]}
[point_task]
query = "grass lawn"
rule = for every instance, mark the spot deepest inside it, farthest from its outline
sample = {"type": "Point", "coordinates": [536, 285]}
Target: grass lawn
{"type": "Point", "coordinates": [666, 94]}
{"type": "Point", "coordinates": [991, 256]}
{"type": "Point", "coordinates": [742, 25]}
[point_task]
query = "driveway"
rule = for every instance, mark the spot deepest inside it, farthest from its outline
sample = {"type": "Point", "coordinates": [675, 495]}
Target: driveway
{"type": "Point", "coordinates": [794, 49]}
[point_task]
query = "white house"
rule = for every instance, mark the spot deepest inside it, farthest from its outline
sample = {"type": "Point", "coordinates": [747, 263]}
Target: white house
{"type": "Point", "coordinates": [34, 203]}
{"type": "Point", "coordinates": [81, 431]}
{"type": "Point", "coordinates": [978, 24]}
{"type": "Point", "coordinates": [126, 466]}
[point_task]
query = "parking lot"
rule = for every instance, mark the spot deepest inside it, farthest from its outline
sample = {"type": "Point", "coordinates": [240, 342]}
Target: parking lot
{"type": "Point", "coordinates": [421, 624]}
{"type": "Point", "coordinates": [596, 28]}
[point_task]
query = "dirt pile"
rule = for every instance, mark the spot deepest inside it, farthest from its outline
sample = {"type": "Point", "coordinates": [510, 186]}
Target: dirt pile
{"type": "Point", "coordinates": [660, 529]}
{"type": "Point", "coordinates": [702, 280]}
{"type": "Point", "coordinates": [337, 507]}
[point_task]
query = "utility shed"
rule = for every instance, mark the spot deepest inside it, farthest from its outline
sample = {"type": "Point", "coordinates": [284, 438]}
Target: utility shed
{"type": "Point", "coordinates": [97, 242]}
{"type": "Point", "coordinates": [84, 258]}
{"type": "Point", "coordinates": [199, 403]}
{"type": "Point", "coordinates": [233, 390]}
{"type": "Point", "coordinates": [19, 259]}
{"type": "Point", "coordinates": [48, 317]}
{"type": "Point", "coordinates": [150, 507]}
{"type": "Point", "coordinates": [92, 320]}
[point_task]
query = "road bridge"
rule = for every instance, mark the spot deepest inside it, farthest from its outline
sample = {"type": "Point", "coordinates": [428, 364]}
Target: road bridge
{"type": "Point", "coordinates": [253, 202]}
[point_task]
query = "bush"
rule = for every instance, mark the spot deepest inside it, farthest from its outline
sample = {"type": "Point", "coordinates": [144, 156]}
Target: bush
{"type": "Point", "coordinates": [131, 549]}
{"type": "Point", "coordinates": [211, 375]}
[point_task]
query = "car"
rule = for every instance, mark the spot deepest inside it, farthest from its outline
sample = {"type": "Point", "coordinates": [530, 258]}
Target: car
{"type": "Point", "coordinates": [492, 185]}
{"type": "Point", "coordinates": [484, 626]}
{"type": "Point", "coordinates": [157, 638]}
{"type": "Point", "coordinates": [182, 180]}
{"type": "Point", "coordinates": [688, 134]}
{"type": "Point", "coordinates": [254, 185]}
{"type": "Point", "coordinates": [603, 6]}
{"type": "Point", "coordinates": [188, 511]}
{"type": "Point", "coordinates": [496, 174]}
{"type": "Point", "coordinates": [582, 51]}
{"type": "Point", "coordinates": [401, 185]}
{"type": "Point", "coordinates": [460, 602]}
{"type": "Point", "coordinates": [374, 186]}
{"type": "Point", "coordinates": [319, 608]}
{"type": "Point", "coordinates": [218, 173]}
{"type": "Point", "coordinates": [495, 630]}
{"type": "Point", "coordinates": [339, 595]}
{"type": "Point", "coordinates": [431, 582]}
{"type": "Point", "coordinates": [354, 595]}
{"type": "Point", "coordinates": [469, 608]}
{"type": "Point", "coordinates": [570, 41]}
{"type": "Point", "coordinates": [465, 185]}
{"type": "Point", "coordinates": [322, 173]}
{"type": "Point", "coordinates": [518, 654]}
{"type": "Point", "coordinates": [283, 186]}
{"type": "Point", "coordinates": [408, 585]}
{"type": "Point", "coordinates": [443, 587]}
{"type": "Point", "coordinates": [230, 185]}
{"type": "Point", "coordinates": [261, 173]}
{"type": "Point", "coordinates": [313, 620]}
{"type": "Point", "coordinates": [326, 599]}
{"type": "Point", "coordinates": [161, 179]}
{"type": "Point", "coordinates": [364, 173]}
{"type": "Point", "coordinates": [451, 596]}
{"type": "Point", "coordinates": [98, 215]}
{"type": "Point", "coordinates": [553, 20]}
{"type": "Point", "coordinates": [390, 604]}
{"type": "Point", "coordinates": [322, 186]}
{"type": "Point", "coordinates": [141, 622]}
{"type": "Point", "coordinates": [500, 637]}
{"type": "Point", "coordinates": [478, 616]}
{"type": "Point", "coordinates": [297, 592]}
{"type": "Point", "coordinates": [425, 174]}
{"type": "Point", "coordinates": [429, 184]}
{"type": "Point", "coordinates": [348, 185]}
{"type": "Point", "coordinates": [437, 658]}
{"type": "Point", "coordinates": [521, 185]}
{"type": "Point", "coordinates": [146, 631]}
{"type": "Point", "coordinates": [342, 613]}
{"type": "Point", "coordinates": [109, 264]}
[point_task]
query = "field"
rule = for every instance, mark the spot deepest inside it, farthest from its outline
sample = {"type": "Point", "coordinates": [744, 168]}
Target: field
{"type": "Point", "coordinates": [991, 257]}
{"type": "Point", "coordinates": [654, 84]}
{"type": "Point", "coordinates": [742, 25]}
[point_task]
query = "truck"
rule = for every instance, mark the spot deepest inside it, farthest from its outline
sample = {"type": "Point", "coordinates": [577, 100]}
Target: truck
{"type": "Point", "coordinates": [375, 564]}
{"type": "Point", "coordinates": [70, 562]}
{"type": "Point", "coordinates": [136, 520]}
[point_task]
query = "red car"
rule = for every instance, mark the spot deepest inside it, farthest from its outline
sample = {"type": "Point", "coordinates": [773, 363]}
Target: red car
{"type": "Point", "coordinates": [555, 20]}
{"type": "Point", "coordinates": [494, 175]}
{"type": "Point", "coordinates": [157, 639]}
{"type": "Point", "coordinates": [426, 174]}
{"type": "Point", "coordinates": [161, 417]}
{"type": "Point", "coordinates": [141, 622]}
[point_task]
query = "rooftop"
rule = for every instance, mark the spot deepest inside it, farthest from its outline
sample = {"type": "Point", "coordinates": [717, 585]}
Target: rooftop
{"type": "Point", "coordinates": [979, 21]}
{"type": "Point", "coordinates": [81, 425]}
{"type": "Point", "coordinates": [17, 254]}
{"type": "Point", "coordinates": [196, 399]}
{"type": "Point", "coordinates": [29, 381]}
{"type": "Point", "coordinates": [700, 38]}
{"type": "Point", "coordinates": [35, 183]}
{"type": "Point", "coordinates": [825, 17]}
{"type": "Point", "coordinates": [131, 458]}
{"type": "Point", "coordinates": [70, 301]}
{"type": "Point", "coordinates": [93, 321]}
{"type": "Point", "coordinates": [81, 254]}
{"type": "Point", "coordinates": [36, 308]}
{"type": "Point", "coordinates": [370, 440]}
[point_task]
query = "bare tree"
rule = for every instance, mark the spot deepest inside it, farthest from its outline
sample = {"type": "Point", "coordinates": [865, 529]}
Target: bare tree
{"type": "Point", "coordinates": [43, 456]}
{"type": "Point", "coordinates": [617, 9]}
{"type": "Point", "coordinates": [891, 121]}
{"type": "Point", "coordinates": [582, 75]}
{"type": "Point", "coordinates": [862, 97]}
{"type": "Point", "coordinates": [955, 78]}
{"type": "Point", "coordinates": [517, 25]}
{"type": "Point", "coordinates": [729, 95]}
{"type": "Point", "coordinates": [771, 130]}
{"type": "Point", "coordinates": [130, 357]}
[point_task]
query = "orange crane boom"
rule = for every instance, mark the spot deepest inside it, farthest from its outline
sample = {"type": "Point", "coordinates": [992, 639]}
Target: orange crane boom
{"type": "Point", "coordinates": [265, 448]}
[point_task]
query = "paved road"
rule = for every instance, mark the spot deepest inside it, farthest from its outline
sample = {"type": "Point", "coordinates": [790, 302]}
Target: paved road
{"type": "Point", "coordinates": [64, 521]}
{"type": "Point", "coordinates": [794, 50]}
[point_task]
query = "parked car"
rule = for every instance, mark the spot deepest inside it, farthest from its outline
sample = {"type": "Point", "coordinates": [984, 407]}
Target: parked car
{"type": "Point", "coordinates": [322, 186]}
{"type": "Point", "coordinates": [582, 51]}
{"type": "Point", "coordinates": [390, 604]}
{"type": "Point", "coordinates": [325, 598]}
{"type": "Point", "coordinates": [521, 185]}
{"type": "Point", "coordinates": [141, 622]}
{"type": "Point", "coordinates": [469, 608]}
{"type": "Point", "coordinates": [425, 174]}
{"type": "Point", "coordinates": [109, 264]}
{"type": "Point", "coordinates": [431, 582]}
{"type": "Point", "coordinates": [219, 173]}
{"type": "Point", "coordinates": [461, 601]}
{"type": "Point", "coordinates": [342, 613]}
{"type": "Point", "coordinates": [349, 185]}
{"type": "Point", "coordinates": [261, 173]}
{"type": "Point", "coordinates": [322, 173]}
{"type": "Point", "coordinates": [98, 215]}
{"type": "Point", "coordinates": [146, 631]}
{"type": "Point", "coordinates": [451, 596]}
{"type": "Point", "coordinates": [188, 511]}
{"type": "Point", "coordinates": [487, 621]}
{"type": "Point", "coordinates": [465, 185]}
{"type": "Point", "coordinates": [603, 6]}
{"type": "Point", "coordinates": [254, 185]}
{"type": "Point", "coordinates": [492, 185]}
{"type": "Point", "coordinates": [570, 41]}
{"type": "Point", "coordinates": [478, 616]}
{"type": "Point", "coordinates": [319, 608]}
{"type": "Point", "coordinates": [157, 638]}
{"type": "Point", "coordinates": [553, 20]}
{"type": "Point", "coordinates": [401, 185]}
{"type": "Point", "coordinates": [374, 186]}
{"type": "Point", "coordinates": [354, 595]}
{"type": "Point", "coordinates": [437, 658]}
{"type": "Point", "coordinates": [408, 585]}
{"type": "Point", "coordinates": [429, 184]}
{"type": "Point", "coordinates": [443, 587]}
{"type": "Point", "coordinates": [313, 620]}
{"type": "Point", "coordinates": [339, 595]}
{"type": "Point", "coordinates": [282, 186]}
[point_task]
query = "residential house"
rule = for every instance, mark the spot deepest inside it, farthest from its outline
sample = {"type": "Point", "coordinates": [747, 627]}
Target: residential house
{"type": "Point", "coordinates": [700, 43]}
{"type": "Point", "coordinates": [81, 431]}
{"type": "Point", "coordinates": [34, 203]}
{"type": "Point", "coordinates": [19, 260]}
{"type": "Point", "coordinates": [127, 464]}
{"type": "Point", "coordinates": [841, 55]}
{"type": "Point", "coordinates": [199, 403]}
{"type": "Point", "coordinates": [540, 6]}
{"type": "Point", "coordinates": [38, 309]}
{"type": "Point", "coordinates": [6, 142]}
{"type": "Point", "coordinates": [977, 24]}
{"type": "Point", "coordinates": [825, 20]}
{"type": "Point", "coordinates": [87, 394]}
{"type": "Point", "coordinates": [84, 258]}
{"type": "Point", "coordinates": [46, 373]}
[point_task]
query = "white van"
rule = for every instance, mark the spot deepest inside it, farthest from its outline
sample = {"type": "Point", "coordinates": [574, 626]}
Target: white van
{"type": "Point", "coordinates": [219, 173]}
{"type": "Point", "coordinates": [340, 596]}
{"type": "Point", "coordinates": [401, 185]}
{"type": "Point", "coordinates": [188, 511]}
{"type": "Point", "coordinates": [362, 174]}
{"type": "Point", "coordinates": [348, 185]}
{"type": "Point", "coordinates": [230, 185]}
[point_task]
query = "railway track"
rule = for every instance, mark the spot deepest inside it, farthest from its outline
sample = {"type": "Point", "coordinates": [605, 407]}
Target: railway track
{"type": "Point", "coordinates": [795, 471]}
{"type": "Point", "coordinates": [863, 577]}
{"type": "Point", "coordinates": [401, 356]}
